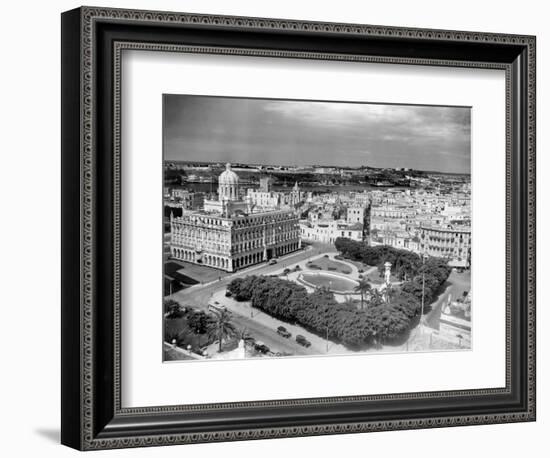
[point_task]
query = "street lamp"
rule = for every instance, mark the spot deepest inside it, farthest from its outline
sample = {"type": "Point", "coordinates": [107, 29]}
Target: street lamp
{"type": "Point", "coordinates": [421, 324]}
{"type": "Point", "coordinates": [327, 337]}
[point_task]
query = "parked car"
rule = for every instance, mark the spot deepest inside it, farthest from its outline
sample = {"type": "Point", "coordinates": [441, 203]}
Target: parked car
{"type": "Point", "coordinates": [216, 307]}
{"type": "Point", "coordinates": [282, 331]}
{"type": "Point", "coordinates": [282, 353]}
{"type": "Point", "coordinates": [303, 341]}
{"type": "Point", "coordinates": [261, 347]}
{"type": "Point", "coordinates": [228, 293]}
{"type": "Point", "coordinates": [272, 262]}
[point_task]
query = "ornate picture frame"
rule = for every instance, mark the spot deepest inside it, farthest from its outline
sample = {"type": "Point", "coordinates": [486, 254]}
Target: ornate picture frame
{"type": "Point", "coordinates": [92, 413]}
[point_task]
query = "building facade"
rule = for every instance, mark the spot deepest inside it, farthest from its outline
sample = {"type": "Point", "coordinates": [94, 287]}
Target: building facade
{"type": "Point", "coordinates": [327, 231]}
{"type": "Point", "coordinates": [449, 242]}
{"type": "Point", "coordinates": [397, 239]}
{"type": "Point", "coordinates": [188, 200]}
{"type": "Point", "coordinates": [266, 198]}
{"type": "Point", "coordinates": [355, 214]}
{"type": "Point", "coordinates": [455, 323]}
{"type": "Point", "coordinates": [391, 216]}
{"type": "Point", "coordinates": [229, 234]}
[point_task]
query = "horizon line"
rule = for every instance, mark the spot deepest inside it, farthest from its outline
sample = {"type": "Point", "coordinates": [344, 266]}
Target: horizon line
{"type": "Point", "coordinates": [318, 165]}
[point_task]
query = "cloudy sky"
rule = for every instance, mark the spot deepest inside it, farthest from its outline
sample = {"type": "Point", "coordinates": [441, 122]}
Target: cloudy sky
{"type": "Point", "coordinates": [282, 132]}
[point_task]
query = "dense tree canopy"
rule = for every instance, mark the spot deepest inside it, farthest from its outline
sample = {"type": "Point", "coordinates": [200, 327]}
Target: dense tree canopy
{"type": "Point", "coordinates": [172, 309]}
{"type": "Point", "coordinates": [320, 313]}
{"type": "Point", "coordinates": [406, 266]}
{"type": "Point", "coordinates": [199, 321]}
{"type": "Point", "coordinates": [404, 262]}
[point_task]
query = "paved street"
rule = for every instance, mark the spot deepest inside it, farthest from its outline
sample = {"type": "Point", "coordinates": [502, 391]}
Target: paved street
{"type": "Point", "coordinates": [269, 337]}
{"type": "Point", "coordinates": [270, 324]}
{"type": "Point", "coordinates": [458, 282]}
{"type": "Point", "coordinates": [199, 296]}
{"type": "Point", "coordinates": [263, 327]}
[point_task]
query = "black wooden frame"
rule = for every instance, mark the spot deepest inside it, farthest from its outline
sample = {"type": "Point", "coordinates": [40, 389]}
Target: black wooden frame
{"type": "Point", "coordinates": [92, 39]}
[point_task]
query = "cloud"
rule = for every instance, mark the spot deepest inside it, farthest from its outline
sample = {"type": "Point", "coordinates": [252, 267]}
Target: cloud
{"type": "Point", "coordinates": [337, 113]}
{"type": "Point", "coordinates": [308, 132]}
{"type": "Point", "coordinates": [378, 121]}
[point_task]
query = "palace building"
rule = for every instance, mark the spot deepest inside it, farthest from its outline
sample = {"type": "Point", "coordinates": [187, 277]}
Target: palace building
{"type": "Point", "coordinates": [230, 233]}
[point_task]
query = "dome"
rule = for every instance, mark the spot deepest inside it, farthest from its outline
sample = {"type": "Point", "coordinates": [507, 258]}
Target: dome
{"type": "Point", "coordinates": [228, 177]}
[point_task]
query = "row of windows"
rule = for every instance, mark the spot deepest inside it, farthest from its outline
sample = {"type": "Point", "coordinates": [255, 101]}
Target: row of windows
{"type": "Point", "coordinates": [446, 240]}
{"type": "Point", "coordinates": [204, 236]}
{"type": "Point", "coordinates": [201, 234]}
{"type": "Point", "coordinates": [210, 246]}
{"type": "Point", "coordinates": [207, 221]}
{"type": "Point", "coordinates": [266, 219]}
{"type": "Point", "coordinates": [442, 249]}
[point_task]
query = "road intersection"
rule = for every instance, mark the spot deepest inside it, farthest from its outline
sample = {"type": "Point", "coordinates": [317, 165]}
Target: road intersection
{"type": "Point", "coordinates": [263, 327]}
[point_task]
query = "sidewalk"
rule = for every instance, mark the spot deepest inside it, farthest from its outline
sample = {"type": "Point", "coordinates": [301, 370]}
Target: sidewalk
{"type": "Point", "coordinates": [249, 270]}
{"type": "Point", "coordinates": [244, 309]}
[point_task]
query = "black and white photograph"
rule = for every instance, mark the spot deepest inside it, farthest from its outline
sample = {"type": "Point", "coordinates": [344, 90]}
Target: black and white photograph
{"type": "Point", "coordinates": [275, 229]}
{"type": "Point", "coordinates": [300, 228]}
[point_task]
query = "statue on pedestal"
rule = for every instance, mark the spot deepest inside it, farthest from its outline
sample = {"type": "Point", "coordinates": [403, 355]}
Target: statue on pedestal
{"type": "Point", "coordinates": [387, 273]}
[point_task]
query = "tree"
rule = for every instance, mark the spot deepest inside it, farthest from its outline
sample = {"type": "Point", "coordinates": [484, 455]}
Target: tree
{"type": "Point", "coordinates": [363, 287]}
{"type": "Point", "coordinates": [199, 322]}
{"type": "Point", "coordinates": [349, 302]}
{"type": "Point", "coordinates": [172, 309]}
{"type": "Point", "coordinates": [389, 322]}
{"type": "Point", "coordinates": [389, 292]}
{"type": "Point", "coordinates": [376, 297]}
{"type": "Point", "coordinates": [243, 334]}
{"type": "Point", "coordinates": [343, 322]}
{"type": "Point", "coordinates": [406, 303]}
{"type": "Point", "coordinates": [221, 327]}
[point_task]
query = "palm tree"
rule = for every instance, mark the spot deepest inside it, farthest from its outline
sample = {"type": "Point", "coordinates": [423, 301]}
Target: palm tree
{"type": "Point", "coordinates": [221, 327]}
{"type": "Point", "coordinates": [349, 301]}
{"type": "Point", "coordinates": [172, 309]}
{"type": "Point", "coordinates": [244, 334]}
{"type": "Point", "coordinates": [363, 287]}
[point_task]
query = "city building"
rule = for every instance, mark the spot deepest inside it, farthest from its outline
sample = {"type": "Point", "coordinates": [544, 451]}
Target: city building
{"type": "Point", "coordinates": [355, 214]}
{"type": "Point", "coordinates": [391, 216]}
{"type": "Point", "coordinates": [265, 184]}
{"type": "Point", "coordinates": [292, 198]}
{"type": "Point", "coordinates": [187, 200]}
{"type": "Point", "coordinates": [230, 233]}
{"type": "Point", "coordinates": [449, 242]}
{"type": "Point", "coordinates": [266, 198]}
{"type": "Point", "coordinates": [396, 239]}
{"type": "Point", "coordinates": [455, 324]}
{"type": "Point", "coordinates": [327, 231]}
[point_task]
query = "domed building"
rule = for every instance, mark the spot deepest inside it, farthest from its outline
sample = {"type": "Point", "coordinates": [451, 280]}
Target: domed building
{"type": "Point", "coordinates": [229, 201]}
{"type": "Point", "coordinates": [228, 184]}
{"type": "Point", "coordinates": [230, 233]}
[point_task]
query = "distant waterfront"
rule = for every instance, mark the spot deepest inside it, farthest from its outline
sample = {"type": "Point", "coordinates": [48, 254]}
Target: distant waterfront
{"type": "Point", "coordinates": [211, 187]}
